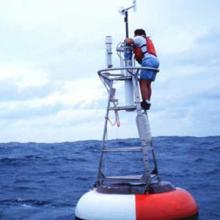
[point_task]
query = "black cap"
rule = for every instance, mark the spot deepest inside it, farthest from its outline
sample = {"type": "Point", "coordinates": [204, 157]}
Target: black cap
{"type": "Point", "coordinates": [139, 32]}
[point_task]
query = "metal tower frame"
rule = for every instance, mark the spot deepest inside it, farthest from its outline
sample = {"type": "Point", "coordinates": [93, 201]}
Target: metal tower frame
{"type": "Point", "coordinates": [109, 77]}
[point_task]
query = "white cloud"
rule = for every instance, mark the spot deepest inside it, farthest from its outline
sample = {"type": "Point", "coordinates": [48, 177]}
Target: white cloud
{"type": "Point", "coordinates": [23, 74]}
{"type": "Point", "coordinates": [62, 126]}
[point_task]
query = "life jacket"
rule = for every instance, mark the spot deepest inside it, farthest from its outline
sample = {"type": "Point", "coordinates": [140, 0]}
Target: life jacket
{"type": "Point", "coordinates": [138, 54]}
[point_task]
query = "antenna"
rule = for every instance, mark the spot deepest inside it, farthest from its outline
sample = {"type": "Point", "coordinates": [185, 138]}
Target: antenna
{"type": "Point", "coordinates": [134, 4]}
{"type": "Point", "coordinates": [124, 11]}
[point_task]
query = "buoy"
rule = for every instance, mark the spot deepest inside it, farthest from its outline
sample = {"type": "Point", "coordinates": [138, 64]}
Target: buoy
{"type": "Point", "coordinates": [142, 196]}
{"type": "Point", "coordinates": [174, 204]}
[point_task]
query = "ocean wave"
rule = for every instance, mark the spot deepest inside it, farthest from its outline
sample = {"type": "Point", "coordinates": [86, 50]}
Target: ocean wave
{"type": "Point", "coordinates": [53, 176]}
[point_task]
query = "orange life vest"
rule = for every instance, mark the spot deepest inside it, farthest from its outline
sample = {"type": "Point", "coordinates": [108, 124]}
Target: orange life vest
{"type": "Point", "coordinates": [138, 54]}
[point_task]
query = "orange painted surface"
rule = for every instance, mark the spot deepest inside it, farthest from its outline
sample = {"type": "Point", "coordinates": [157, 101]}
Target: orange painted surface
{"type": "Point", "coordinates": [165, 206]}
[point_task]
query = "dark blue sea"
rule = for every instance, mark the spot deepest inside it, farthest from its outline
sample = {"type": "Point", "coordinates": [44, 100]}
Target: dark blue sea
{"type": "Point", "coordinates": [41, 181]}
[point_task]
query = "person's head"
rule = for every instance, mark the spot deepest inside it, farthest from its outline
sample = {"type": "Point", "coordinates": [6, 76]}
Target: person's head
{"type": "Point", "coordinates": [139, 32]}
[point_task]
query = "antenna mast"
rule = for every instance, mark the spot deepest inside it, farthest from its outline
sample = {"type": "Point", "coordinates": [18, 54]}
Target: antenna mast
{"type": "Point", "coordinates": [124, 11]}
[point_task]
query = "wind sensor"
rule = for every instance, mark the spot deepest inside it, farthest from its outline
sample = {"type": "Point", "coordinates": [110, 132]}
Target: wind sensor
{"type": "Point", "coordinates": [124, 11]}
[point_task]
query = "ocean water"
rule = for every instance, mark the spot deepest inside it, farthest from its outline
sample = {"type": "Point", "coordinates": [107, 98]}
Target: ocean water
{"type": "Point", "coordinates": [41, 181]}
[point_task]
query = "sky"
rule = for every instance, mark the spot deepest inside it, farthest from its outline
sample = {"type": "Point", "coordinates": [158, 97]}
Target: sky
{"type": "Point", "coordinates": [51, 51]}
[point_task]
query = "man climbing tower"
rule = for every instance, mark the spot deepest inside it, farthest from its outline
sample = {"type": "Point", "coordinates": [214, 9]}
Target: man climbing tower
{"type": "Point", "coordinates": [145, 54]}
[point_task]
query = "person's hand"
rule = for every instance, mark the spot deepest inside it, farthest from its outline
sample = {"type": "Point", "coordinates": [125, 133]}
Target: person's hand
{"type": "Point", "coordinates": [129, 41]}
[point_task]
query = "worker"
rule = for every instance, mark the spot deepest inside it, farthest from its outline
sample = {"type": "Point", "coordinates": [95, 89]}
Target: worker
{"type": "Point", "coordinates": [145, 54]}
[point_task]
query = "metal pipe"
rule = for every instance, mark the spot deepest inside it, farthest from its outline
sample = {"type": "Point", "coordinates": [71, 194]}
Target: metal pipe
{"type": "Point", "coordinates": [108, 43]}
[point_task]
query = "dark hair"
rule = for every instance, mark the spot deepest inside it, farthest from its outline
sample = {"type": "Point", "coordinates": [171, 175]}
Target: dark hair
{"type": "Point", "coordinates": [139, 32]}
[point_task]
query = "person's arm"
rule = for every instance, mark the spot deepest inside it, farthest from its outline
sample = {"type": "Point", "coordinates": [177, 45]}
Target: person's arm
{"type": "Point", "coordinates": [139, 41]}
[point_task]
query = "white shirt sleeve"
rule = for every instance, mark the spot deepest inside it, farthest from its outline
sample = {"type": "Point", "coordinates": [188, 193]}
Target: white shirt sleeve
{"type": "Point", "coordinates": [139, 41]}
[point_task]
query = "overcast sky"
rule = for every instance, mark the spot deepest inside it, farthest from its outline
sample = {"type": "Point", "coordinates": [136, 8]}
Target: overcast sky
{"type": "Point", "coordinates": [51, 51]}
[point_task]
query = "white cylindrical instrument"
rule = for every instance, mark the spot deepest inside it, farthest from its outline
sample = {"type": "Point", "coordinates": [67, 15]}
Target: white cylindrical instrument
{"type": "Point", "coordinates": [108, 43]}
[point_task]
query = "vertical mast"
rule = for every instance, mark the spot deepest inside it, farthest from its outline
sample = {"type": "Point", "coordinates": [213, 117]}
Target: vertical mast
{"type": "Point", "coordinates": [129, 93]}
{"type": "Point", "coordinates": [126, 24]}
{"type": "Point", "coordinates": [124, 11]}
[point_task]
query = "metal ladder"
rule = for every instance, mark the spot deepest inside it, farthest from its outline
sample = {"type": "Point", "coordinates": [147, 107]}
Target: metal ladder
{"type": "Point", "coordinates": [108, 76]}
